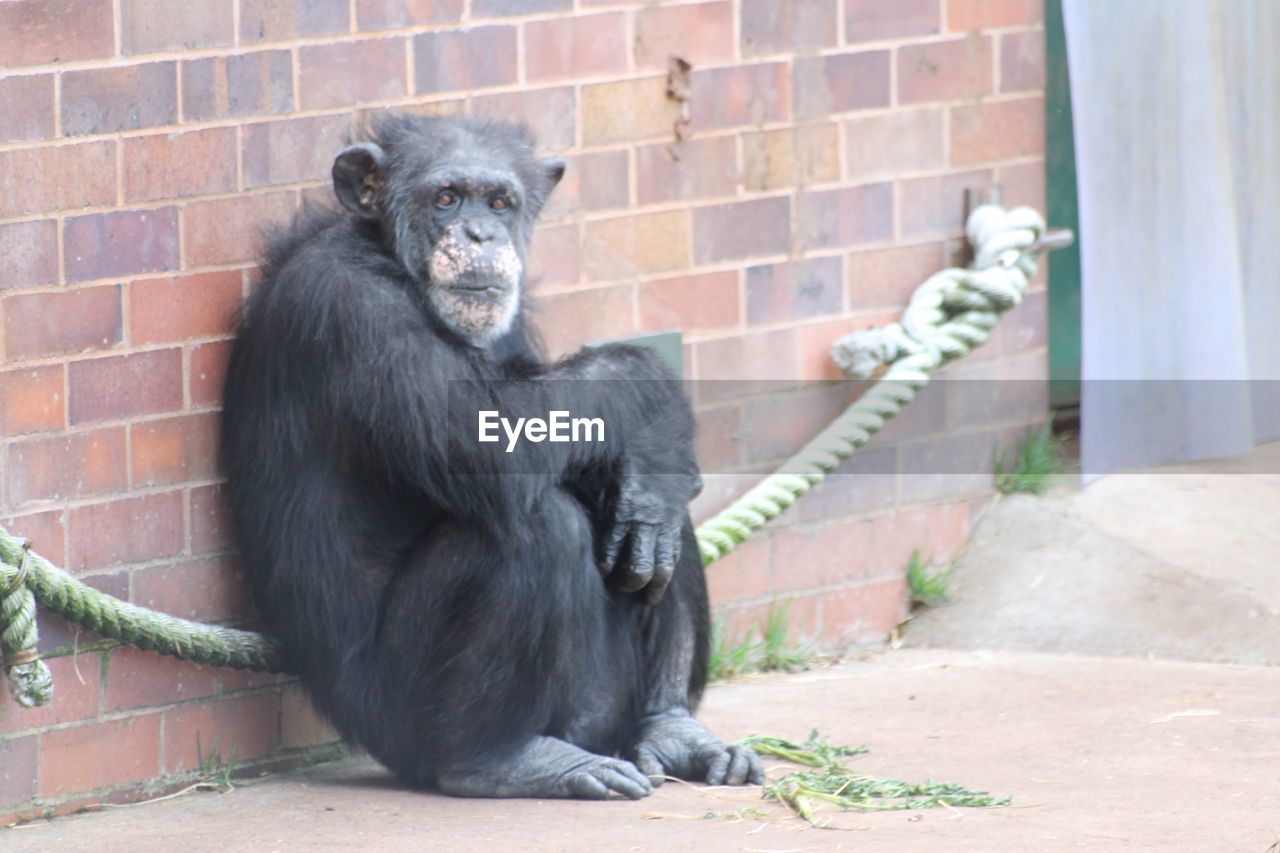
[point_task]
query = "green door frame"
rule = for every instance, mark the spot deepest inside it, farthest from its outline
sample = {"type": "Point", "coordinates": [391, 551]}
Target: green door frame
{"type": "Point", "coordinates": [1062, 212]}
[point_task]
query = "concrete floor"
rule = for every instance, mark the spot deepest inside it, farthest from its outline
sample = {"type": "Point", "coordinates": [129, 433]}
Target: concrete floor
{"type": "Point", "coordinates": [1171, 741]}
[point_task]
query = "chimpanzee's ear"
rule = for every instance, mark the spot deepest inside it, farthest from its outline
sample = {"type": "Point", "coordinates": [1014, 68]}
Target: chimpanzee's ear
{"type": "Point", "coordinates": [553, 170]}
{"type": "Point", "coordinates": [357, 178]}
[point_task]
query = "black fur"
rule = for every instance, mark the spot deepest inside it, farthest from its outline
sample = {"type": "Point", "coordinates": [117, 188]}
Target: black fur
{"type": "Point", "coordinates": [445, 614]}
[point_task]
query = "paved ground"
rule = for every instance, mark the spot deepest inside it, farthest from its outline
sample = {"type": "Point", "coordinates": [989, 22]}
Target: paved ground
{"type": "Point", "coordinates": [1098, 754]}
{"type": "Point", "coordinates": [1145, 752]}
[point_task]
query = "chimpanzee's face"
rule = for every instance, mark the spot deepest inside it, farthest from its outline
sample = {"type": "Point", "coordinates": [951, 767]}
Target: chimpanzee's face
{"type": "Point", "coordinates": [466, 246]}
{"type": "Point", "coordinates": [456, 203]}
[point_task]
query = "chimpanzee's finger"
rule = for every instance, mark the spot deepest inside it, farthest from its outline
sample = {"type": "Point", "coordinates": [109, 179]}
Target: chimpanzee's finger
{"type": "Point", "coordinates": [613, 547]}
{"type": "Point", "coordinates": [640, 567]}
{"type": "Point", "coordinates": [664, 564]}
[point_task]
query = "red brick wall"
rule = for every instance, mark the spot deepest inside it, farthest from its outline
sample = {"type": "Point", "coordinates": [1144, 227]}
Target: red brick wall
{"type": "Point", "coordinates": [142, 142]}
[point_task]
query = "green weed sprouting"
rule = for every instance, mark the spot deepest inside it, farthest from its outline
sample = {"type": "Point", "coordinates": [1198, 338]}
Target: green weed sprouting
{"type": "Point", "coordinates": [1038, 459]}
{"type": "Point", "coordinates": [927, 589]}
{"type": "Point", "coordinates": [775, 650]}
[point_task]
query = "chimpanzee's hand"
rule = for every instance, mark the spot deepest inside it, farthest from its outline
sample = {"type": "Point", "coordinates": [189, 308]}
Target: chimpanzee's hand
{"type": "Point", "coordinates": [674, 743]}
{"type": "Point", "coordinates": [644, 543]}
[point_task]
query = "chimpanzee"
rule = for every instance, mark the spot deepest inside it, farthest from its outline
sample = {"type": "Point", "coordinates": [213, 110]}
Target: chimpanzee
{"type": "Point", "coordinates": [483, 627]}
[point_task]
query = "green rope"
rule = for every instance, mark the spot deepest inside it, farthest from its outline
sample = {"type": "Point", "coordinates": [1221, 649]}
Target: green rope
{"type": "Point", "coordinates": [948, 316]}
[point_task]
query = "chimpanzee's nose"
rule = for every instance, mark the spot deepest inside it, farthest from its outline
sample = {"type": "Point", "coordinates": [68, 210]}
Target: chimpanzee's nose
{"type": "Point", "coordinates": [479, 230]}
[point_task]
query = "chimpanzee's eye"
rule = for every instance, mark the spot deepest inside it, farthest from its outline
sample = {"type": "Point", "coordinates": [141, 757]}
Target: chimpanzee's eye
{"type": "Point", "coordinates": [446, 199]}
{"type": "Point", "coordinates": [499, 203]}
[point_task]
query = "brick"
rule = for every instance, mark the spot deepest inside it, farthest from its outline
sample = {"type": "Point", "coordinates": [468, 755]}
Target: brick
{"type": "Point", "coordinates": [228, 230]}
{"type": "Point", "coordinates": [230, 730]}
{"type": "Point", "coordinates": [933, 207]}
{"type": "Point", "coordinates": [719, 440]}
{"type": "Point", "coordinates": [694, 303]}
{"type": "Point", "coordinates": [130, 530]}
{"type": "Point", "coordinates": [927, 415]}
{"type": "Point", "coordinates": [555, 256]}
{"type": "Point", "coordinates": [391, 14]}
{"type": "Point", "coordinates": [947, 467]}
{"type": "Point", "coordinates": [125, 386]}
{"type": "Point", "coordinates": [636, 245]}
{"type": "Point", "coordinates": [337, 75]}
{"type": "Point", "coordinates": [983, 394]}
{"type": "Point", "coordinates": [578, 47]}
{"type": "Point", "coordinates": [476, 58]}
{"type": "Point", "coordinates": [791, 157]}
{"type": "Point", "coordinates": [43, 324]}
{"type": "Point", "coordinates": [33, 400]}
{"type": "Point", "coordinates": [965, 15]}
{"type": "Point", "coordinates": [278, 20]}
{"type": "Point", "coordinates": [208, 370]}
{"type": "Point", "coordinates": [816, 364]}
{"type": "Point", "coordinates": [870, 20]}
{"type": "Point", "coordinates": [210, 520]}
{"type": "Point", "coordinates": [549, 113]}
{"type": "Point", "coordinates": [866, 482]}
{"type": "Point", "coordinates": [26, 107]}
{"type": "Point", "coordinates": [291, 150]}
{"type": "Point", "coordinates": [46, 533]}
{"type": "Point", "coordinates": [841, 82]}
{"type": "Point", "coordinates": [174, 450]}
{"type": "Point", "coordinates": [152, 26]}
{"type": "Point", "coordinates": [997, 130]}
{"type": "Point", "coordinates": [895, 143]}
{"type": "Point", "coordinates": [701, 34]}
{"type": "Point", "coordinates": [886, 278]}
{"type": "Point", "coordinates": [696, 168]}
{"type": "Point", "coordinates": [752, 363]}
{"type": "Point", "coordinates": [192, 306]}
{"type": "Point", "coordinates": [497, 8]}
{"type": "Point", "coordinates": [600, 180]}
{"type": "Point", "coordinates": [138, 679]}
{"type": "Point", "coordinates": [247, 84]}
{"type": "Point", "coordinates": [772, 27]}
{"type": "Point", "coordinates": [627, 111]}
{"type": "Point", "coordinates": [85, 758]}
{"type": "Point", "coordinates": [743, 575]}
{"type": "Point", "coordinates": [959, 69]}
{"type": "Point", "coordinates": [744, 94]}
{"type": "Point", "coordinates": [42, 31]}
{"type": "Point", "coordinates": [106, 100]}
{"type": "Point", "coordinates": [125, 242]}
{"type": "Point", "coordinates": [67, 467]}
{"type": "Point", "coordinates": [300, 724]}
{"type": "Point", "coordinates": [63, 177]}
{"type": "Point", "coordinates": [569, 320]}
{"type": "Point", "coordinates": [30, 252]}
{"type": "Point", "coordinates": [19, 769]}
{"type": "Point", "coordinates": [819, 555]}
{"type": "Point", "coordinates": [777, 426]}
{"type": "Point", "coordinates": [1023, 184]}
{"type": "Point", "coordinates": [79, 682]}
{"type": "Point", "coordinates": [794, 290]}
{"type": "Point", "coordinates": [863, 615]}
{"type": "Point", "coordinates": [177, 165]}
{"type": "Point", "coordinates": [846, 216]}
{"type": "Point", "coordinates": [741, 230]}
{"type": "Point", "coordinates": [204, 589]}
{"type": "Point", "coordinates": [1022, 61]}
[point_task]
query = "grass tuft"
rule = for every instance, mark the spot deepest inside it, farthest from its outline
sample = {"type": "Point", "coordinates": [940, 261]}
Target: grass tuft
{"type": "Point", "coordinates": [927, 589]}
{"type": "Point", "coordinates": [1039, 458]}
{"type": "Point", "coordinates": [774, 651]}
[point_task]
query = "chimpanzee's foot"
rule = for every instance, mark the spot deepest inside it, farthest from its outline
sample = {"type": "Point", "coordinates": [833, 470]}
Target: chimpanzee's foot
{"type": "Point", "coordinates": [546, 767]}
{"type": "Point", "coordinates": [675, 743]}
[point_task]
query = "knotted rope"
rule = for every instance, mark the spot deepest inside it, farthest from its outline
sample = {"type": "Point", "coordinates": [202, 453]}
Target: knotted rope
{"type": "Point", "coordinates": [949, 315]}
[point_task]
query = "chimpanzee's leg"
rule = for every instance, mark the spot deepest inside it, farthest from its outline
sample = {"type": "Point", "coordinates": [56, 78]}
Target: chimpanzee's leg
{"type": "Point", "coordinates": [676, 640]}
{"type": "Point", "coordinates": [487, 641]}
